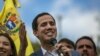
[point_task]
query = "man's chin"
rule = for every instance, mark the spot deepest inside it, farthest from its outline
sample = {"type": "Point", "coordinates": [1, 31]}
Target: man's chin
{"type": "Point", "coordinates": [2, 54]}
{"type": "Point", "coordinates": [85, 54]}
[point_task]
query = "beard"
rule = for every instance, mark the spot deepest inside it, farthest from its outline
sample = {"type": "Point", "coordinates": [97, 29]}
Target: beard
{"type": "Point", "coordinates": [85, 54]}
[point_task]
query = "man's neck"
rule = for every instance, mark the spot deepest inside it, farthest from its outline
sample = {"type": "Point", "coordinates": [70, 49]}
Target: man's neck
{"type": "Point", "coordinates": [47, 47]}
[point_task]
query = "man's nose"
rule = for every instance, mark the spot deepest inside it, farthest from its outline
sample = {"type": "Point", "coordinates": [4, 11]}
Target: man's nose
{"type": "Point", "coordinates": [49, 26]}
{"type": "Point", "coordinates": [1, 45]}
{"type": "Point", "coordinates": [84, 47]}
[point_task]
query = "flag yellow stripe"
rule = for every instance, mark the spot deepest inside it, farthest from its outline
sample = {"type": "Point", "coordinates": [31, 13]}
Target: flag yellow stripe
{"type": "Point", "coordinates": [9, 9]}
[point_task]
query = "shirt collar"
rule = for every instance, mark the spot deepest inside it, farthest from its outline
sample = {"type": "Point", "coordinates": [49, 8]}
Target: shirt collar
{"type": "Point", "coordinates": [54, 52]}
{"type": "Point", "coordinates": [43, 50]}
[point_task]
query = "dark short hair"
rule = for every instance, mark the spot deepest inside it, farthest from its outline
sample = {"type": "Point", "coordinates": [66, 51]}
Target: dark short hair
{"type": "Point", "coordinates": [13, 48]}
{"type": "Point", "coordinates": [88, 38]}
{"type": "Point", "coordinates": [35, 24]}
{"type": "Point", "coordinates": [67, 41]}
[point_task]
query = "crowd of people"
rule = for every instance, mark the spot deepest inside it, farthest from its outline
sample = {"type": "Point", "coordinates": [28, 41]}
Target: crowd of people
{"type": "Point", "coordinates": [44, 28]}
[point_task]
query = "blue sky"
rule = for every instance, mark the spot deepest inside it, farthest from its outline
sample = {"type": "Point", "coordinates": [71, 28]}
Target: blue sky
{"type": "Point", "coordinates": [77, 16]}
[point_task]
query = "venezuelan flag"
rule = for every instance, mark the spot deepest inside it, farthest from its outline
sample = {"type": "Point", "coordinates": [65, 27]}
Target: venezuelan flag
{"type": "Point", "coordinates": [10, 22]}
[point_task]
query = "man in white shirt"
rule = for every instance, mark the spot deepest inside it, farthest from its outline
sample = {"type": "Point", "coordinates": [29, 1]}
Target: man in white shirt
{"type": "Point", "coordinates": [44, 28]}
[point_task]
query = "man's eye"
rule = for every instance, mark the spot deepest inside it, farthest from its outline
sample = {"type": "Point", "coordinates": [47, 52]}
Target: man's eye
{"type": "Point", "coordinates": [80, 47]}
{"type": "Point", "coordinates": [68, 46]}
{"type": "Point", "coordinates": [43, 24]}
{"type": "Point", "coordinates": [52, 23]}
{"type": "Point", "coordinates": [88, 46]}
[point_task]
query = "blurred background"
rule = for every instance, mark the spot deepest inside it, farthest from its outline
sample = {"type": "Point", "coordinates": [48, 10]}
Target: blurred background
{"type": "Point", "coordinates": [75, 18]}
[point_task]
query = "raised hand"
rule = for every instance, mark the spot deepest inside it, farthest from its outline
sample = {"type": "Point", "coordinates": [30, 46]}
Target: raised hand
{"type": "Point", "coordinates": [23, 40]}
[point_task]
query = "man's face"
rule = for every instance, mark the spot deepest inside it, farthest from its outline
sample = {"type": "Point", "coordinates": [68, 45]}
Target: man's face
{"type": "Point", "coordinates": [46, 28]}
{"type": "Point", "coordinates": [66, 48]}
{"type": "Point", "coordinates": [85, 47]}
{"type": "Point", "coordinates": [5, 46]}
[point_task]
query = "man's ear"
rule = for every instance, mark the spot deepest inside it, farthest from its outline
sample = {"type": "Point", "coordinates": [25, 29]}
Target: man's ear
{"type": "Point", "coordinates": [35, 33]}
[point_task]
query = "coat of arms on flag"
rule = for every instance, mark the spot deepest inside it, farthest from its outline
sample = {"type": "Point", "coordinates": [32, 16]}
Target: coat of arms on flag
{"type": "Point", "coordinates": [10, 22]}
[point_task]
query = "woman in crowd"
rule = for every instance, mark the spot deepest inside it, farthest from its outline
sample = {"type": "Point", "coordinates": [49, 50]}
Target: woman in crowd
{"type": "Point", "coordinates": [7, 46]}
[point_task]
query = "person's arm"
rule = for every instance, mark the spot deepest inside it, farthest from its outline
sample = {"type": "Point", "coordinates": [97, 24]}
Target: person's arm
{"type": "Point", "coordinates": [63, 51]}
{"type": "Point", "coordinates": [23, 40]}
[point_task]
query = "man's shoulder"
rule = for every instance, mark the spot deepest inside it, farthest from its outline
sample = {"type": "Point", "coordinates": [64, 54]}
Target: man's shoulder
{"type": "Point", "coordinates": [37, 53]}
{"type": "Point", "coordinates": [34, 54]}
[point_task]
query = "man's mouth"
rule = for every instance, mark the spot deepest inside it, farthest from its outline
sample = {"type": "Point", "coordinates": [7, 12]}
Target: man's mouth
{"type": "Point", "coordinates": [49, 33]}
{"type": "Point", "coordinates": [85, 54]}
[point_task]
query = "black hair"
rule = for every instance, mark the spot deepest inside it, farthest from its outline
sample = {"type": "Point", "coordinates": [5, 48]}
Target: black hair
{"type": "Point", "coordinates": [13, 48]}
{"type": "Point", "coordinates": [88, 38]}
{"type": "Point", "coordinates": [35, 24]}
{"type": "Point", "coordinates": [67, 41]}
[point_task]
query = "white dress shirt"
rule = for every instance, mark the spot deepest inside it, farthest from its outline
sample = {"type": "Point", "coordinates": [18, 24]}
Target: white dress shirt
{"type": "Point", "coordinates": [53, 53]}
